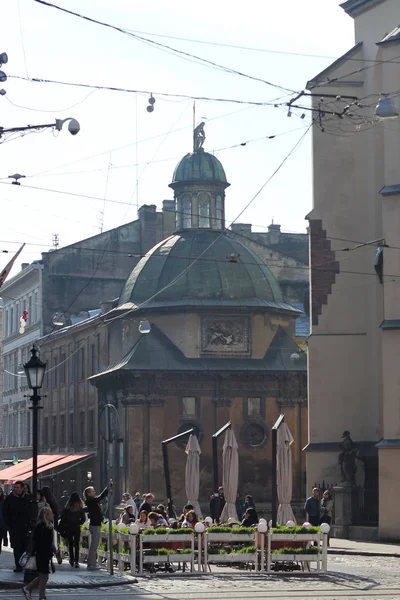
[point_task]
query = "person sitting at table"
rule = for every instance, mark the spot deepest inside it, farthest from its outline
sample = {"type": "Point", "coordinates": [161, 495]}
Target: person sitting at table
{"type": "Point", "coordinates": [191, 518]}
{"type": "Point", "coordinates": [127, 516]}
{"type": "Point", "coordinates": [161, 511]}
{"type": "Point", "coordinates": [143, 522]}
{"type": "Point", "coordinates": [250, 518]}
{"type": "Point", "coordinates": [186, 509]}
{"type": "Point", "coordinates": [157, 520]}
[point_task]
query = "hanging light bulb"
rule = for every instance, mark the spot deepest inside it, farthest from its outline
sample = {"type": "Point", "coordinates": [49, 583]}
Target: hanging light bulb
{"type": "Point", "coordinates": [144, 326]}
{"type": "Point", "coordinates": [385, 109]}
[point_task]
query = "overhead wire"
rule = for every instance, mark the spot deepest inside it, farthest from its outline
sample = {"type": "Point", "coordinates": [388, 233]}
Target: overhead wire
{"type": "Point", "coordinates": [164, 47]}
{"type": "Point", "coordinates": [143, 92]}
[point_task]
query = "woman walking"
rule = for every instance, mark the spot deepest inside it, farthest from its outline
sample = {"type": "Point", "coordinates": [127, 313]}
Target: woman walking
{"type": "Point", "coordinates": [72, 517]}
{"type": "Point", "coordinates": [51, 501]}
{"type": "Point", "coordinates": [326, 507]}
{"type": "Point", "coordinates": [42, 550]}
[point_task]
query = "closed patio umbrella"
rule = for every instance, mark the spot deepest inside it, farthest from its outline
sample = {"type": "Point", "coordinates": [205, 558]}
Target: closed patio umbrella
{"type": "Point", "coordinates": [284, 474]}
{"type": "Point", "coordinates": [230, 476]}
{"type": "Point", "coordinates": [192, 473]}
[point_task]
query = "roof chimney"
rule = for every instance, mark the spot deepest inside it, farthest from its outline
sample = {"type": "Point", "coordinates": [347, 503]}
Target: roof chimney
{"type": "Point", "coordinates": [241, 227]}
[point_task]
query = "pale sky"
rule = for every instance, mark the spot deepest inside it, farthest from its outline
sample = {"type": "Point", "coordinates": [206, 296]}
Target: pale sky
{"type": "Point", "coordinates": [44, 43]}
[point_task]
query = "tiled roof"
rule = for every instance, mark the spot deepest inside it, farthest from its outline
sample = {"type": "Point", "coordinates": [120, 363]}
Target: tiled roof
{"type": "Point", "coordinates": [302, 322]}
{"type": "Point", "coordinates": [156, 352]}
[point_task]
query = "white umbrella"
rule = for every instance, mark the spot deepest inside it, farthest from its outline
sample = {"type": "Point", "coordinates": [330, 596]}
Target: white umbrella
{"type": "Point", "coordinates": [192, 473]}
{"type": "Point", "coordinates": [284, 474]}
{"type": "Point", "coordinates": [230, 476]}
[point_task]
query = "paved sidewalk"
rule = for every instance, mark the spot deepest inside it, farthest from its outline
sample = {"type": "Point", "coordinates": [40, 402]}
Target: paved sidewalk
{"type": "Point", "coordinates": [64, 577]}
{"type": "Point", "coordinates": [351, 547]}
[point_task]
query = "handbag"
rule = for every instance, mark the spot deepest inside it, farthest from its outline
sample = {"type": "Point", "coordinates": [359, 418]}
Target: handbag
{"type": "Point", "coordinates": [31, 564]}
{"type": "Point", "coordinates": [24, 559]}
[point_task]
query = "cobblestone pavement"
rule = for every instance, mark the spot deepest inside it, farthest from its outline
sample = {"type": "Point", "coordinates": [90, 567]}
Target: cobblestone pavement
{"type": "Point", "coordinates": [349, 578]}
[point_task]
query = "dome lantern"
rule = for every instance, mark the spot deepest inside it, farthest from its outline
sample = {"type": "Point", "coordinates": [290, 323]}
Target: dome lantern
{"type": "Point", "coordinates": [199, 184]}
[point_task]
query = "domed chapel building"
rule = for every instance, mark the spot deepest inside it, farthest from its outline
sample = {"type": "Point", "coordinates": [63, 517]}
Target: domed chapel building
{"type": "Point", "coordinates": [220, 349]}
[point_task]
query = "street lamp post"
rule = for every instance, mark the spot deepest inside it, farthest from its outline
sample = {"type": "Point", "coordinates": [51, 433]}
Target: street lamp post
{"type": "Point", "coordinates": [34, 370]}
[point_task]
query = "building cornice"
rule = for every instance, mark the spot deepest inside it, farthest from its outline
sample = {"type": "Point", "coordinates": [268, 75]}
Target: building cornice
{"type": "Point", "coordinates": [20, 276]}
{"type": "Point", "coordinates": [354, 8]}
{"type": "Point", "coordinates": [323, 77]}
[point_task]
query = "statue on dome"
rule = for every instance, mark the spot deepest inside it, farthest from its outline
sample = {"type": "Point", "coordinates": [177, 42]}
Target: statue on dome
{"type": "Point", "coordinates": [199, 137]}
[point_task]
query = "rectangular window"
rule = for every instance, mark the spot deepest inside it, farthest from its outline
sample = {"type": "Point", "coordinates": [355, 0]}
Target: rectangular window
{"type": "Point", "coordinates": [204, 209]}
{"type": "Point", "coordinates": [91, 434]}
{"type": "Point", "coordinates": [254, 407]}
{"type": "Point", "coordinates": [29, 426]}
{"type": "Point", "coordinates": [54, 372]}
{"type": "Point", "coordinates": [11, 328]}
{"type": "Point", "coordinates": [30, 310]}
{"type": "Point", "coordinates": [92, 359]}
{"type": "Point", "coordinates": [82, 425]}
{"type": "Point", "coordinates": [71, 428]}
{"type": "Point", "coordinates": [81, 364]}
{"type": "Point", "coordinates": [53, 430]}
{"type": "Point", "coordinates": [15, 370]}
{"type": "Point", "coordinates": [62, 368]}
{"type": "Point", "coordinates": [188, 407]}
{"type": "Point", "coordinates": [45, 433]}
{"type": "Point", "coordinates": [62, 430]}
{"type": "Point", "coordinates": [35, 307]}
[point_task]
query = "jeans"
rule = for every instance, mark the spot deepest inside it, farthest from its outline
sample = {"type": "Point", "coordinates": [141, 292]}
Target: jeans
{"type": "Point", "coordinates": [73, 545]}
{"type": "Point", "coordinates": [40, 581]}
{"type": "Point", "coordinates": [18, 543]}
{"type": "Point", "coordinates": [94, 531]}
{"type": "Point", "coordinates": [3, 537]}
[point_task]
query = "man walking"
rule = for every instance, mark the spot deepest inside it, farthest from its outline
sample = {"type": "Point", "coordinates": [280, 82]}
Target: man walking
{"type": "Point", "coordinates": [312, 507]}
{"type": "Point", "coordinates": [95, 520]}
{"type": "Point", "coordinates": [16, 516]}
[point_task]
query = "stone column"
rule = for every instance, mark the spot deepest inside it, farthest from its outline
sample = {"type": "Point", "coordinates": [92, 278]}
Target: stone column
{"type": "Point", "coordinates": [343, 510]}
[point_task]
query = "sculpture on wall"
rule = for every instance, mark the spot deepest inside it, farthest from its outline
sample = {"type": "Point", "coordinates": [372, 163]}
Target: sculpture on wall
{"type": "Point", "coordinates": [347, 459]}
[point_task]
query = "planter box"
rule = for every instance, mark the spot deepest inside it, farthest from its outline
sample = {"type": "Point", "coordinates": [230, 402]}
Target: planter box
{"type": "Point", "coordinates": [231, 558]}
{"type": "Point", "coordinates": [295, 537]}
{"type": "Point", "coordinates": [168, 558]}
{"type": "Point", "coordinates": [295, 557]}
{"type": "Point", "coordinates": [125, 558]}
{"type": "Point", "coordinates": [167, 537]}
{"type": "Point", "coordinates": [229, 537]}
{"type": "Point", "coordinates": [102, 553]}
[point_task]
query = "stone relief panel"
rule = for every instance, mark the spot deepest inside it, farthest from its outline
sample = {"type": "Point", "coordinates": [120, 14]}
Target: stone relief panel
{"type": "Point", "coordinates": [225, 336]}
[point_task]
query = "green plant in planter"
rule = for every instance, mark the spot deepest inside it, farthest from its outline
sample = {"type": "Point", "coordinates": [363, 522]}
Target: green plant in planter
{"type": "Point", "coordinates": [311, 550]}
{"type": "Point", "coordinates": [240, 530]}
{"type": "Point", "coordinates": [101, 547]}
{"type": "Point", "coordinates": [296, 529]}
{"type": "Point", "coordinates": [125, 550]}
{"type": "Point", "coordinates": [165, 531]}
{"type": "Point", "coordinates": [124, 531]}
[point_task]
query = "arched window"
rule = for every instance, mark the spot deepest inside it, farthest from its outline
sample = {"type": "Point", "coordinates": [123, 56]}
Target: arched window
{"type": "Point", "coordinates": [186, 211]}
{"type": "Point", "coordinates": [204, 209]}
{"type": "Point", "coordinates": [219, 212]}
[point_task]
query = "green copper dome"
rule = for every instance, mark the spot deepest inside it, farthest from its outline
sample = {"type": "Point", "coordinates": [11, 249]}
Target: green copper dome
{"type": "Point", "coordinates": [199, 166]}
{"type": "Point", "coordinates": [223, 273]}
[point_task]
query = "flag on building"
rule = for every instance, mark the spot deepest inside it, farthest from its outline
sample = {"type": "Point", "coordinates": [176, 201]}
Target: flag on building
{"type": "Point", "coordinates": [6, 271]}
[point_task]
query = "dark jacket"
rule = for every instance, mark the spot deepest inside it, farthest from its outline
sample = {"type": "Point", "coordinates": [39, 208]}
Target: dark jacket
{"type": "Point", "coordinates": [2, 521]}
{"type": "Point", "coordinates": [217, 503]}
{"type": "Point", "coordinates": [145, 506]}
{"type": "Point", "coordinates": [312, 507]}
{"type": "Point", "coordinates": [71, 521]}
{"type": "Point", "coordinates": [93, 508]}
{"type": "Point", "coordinates": [42, 547]}
{"type": "Point", "coordinates": [16, 513]}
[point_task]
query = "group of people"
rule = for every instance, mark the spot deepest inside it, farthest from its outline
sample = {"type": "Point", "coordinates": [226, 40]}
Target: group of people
{"type": "Point", "coordinates": [319, 510]}
{"type": "Point", "coordinates": [17, 513]}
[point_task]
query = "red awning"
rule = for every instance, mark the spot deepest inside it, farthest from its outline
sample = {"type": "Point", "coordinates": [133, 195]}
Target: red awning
{"type": "Point", "coordinates": [46, 462]}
